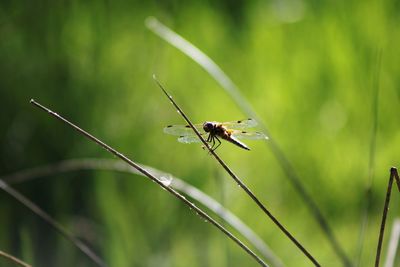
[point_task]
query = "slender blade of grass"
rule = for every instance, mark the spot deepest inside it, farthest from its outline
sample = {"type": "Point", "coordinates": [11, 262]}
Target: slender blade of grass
{"type": "Point", "coordinates": [178, 184]}
{"type": "Point", "coordinates": [53, 223]}
{"type": "Point", "coordinates": [393, 244]}
{"type": "Point", "coordinates": [13, 259]}
{"type": "Point", "coordinates": [371, 162]}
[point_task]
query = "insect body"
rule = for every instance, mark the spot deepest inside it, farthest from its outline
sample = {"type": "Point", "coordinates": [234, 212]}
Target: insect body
{"type": "Point", "coordinates": [214, 131]}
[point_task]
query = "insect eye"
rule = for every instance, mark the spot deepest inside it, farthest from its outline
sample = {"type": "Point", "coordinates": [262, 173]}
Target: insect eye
{"type": "Point", "coordinates": [207, 126]}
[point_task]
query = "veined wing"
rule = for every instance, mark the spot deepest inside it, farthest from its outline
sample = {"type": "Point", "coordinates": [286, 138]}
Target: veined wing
{"type": "Point", "coordinates": [183, 130]}
{"type": "Point", "coordinates": [187, 139]}
{"type": "Point", "coordinates": [240, 124]}
{"type": "Point", "coordinates": [248, 135]}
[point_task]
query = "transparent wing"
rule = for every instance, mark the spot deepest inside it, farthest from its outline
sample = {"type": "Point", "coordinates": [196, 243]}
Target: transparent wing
{"type": "Point", "coordinates": [187, 139]}
{"type": "Point", "coordinates": [183, 130]}
{"type": "Point", "coordinates": [248, 135]}
{"type": "Point", "coordinates": [240, 124]}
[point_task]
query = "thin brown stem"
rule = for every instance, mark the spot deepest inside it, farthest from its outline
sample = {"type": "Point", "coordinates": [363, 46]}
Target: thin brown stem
{"type": "Point", "coordinates": [199, 211]}
{"type": "Point", "coordinates": [234, 92]}
{"type": "Point", "coordinates": [393, 175]}
{"type": "Point", "coordinates": [237, 180]}
{"type": "Point", "coordinates": [53, 223]}
{"type": "Point", "coordinates": [14, 259]}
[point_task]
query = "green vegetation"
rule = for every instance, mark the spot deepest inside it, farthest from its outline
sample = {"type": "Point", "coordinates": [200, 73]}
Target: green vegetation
{"type": "Point", "coordinates": [309, 69]}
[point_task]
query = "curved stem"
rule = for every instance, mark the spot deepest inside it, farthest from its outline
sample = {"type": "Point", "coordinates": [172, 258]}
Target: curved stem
{"type": "Point", "coordinates": [178, 184]}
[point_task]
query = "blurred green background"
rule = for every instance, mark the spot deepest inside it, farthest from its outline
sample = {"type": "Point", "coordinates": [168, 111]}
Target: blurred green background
{"type": "Point", "coordinates": [308, 69]}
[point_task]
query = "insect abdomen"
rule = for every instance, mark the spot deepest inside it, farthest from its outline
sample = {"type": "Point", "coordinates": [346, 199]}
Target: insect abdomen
{"type": "Point", "coordinates": [234, 141]}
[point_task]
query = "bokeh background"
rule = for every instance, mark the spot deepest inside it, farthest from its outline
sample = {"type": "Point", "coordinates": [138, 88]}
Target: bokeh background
{"type": "Point", "coordinates": [308, 68]}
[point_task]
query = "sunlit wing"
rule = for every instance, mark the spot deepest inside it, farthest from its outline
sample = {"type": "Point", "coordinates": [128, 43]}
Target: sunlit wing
{"type": "Point", "coordinates": [183, 130]}
{"type": "Point", "coordinates": [248, 135]}
{"type": "Point", "coordinates": [187, 139]}
{"type": "Point", "coordinates": [240, 124]}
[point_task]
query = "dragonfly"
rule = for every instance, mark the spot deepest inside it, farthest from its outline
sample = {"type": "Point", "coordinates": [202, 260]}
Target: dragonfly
{"type": "Point", "coordinates": [213, 131]}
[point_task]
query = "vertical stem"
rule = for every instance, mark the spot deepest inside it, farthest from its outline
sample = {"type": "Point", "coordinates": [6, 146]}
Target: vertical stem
{"type": "Point", "coordinates": [393, 174]}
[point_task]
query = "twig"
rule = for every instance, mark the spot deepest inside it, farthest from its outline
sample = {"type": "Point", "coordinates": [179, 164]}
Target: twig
{"type": "Point", "coordinates": [233, 91]}
{"type": "Point", "coordinates": [393, 244]}
{"type": "Point", "coordinates": [237, 180]}
{"type": "Point", "coordinates": [53, 223]}
{"type": "Point", "coordinates": [14, 259]}
{"type": "Point", "coordinates": [200, 212]}
{"type": "Point", "coordinates": [176, 183]}
{"type": "Point", "coordinates": [393, 175]}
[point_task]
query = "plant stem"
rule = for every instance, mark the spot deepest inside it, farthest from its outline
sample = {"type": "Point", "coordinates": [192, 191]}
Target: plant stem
{"type": "Point", "coordinates": [200, 212]}
{"type": "Point", "coordinates": [233, 91]}
{"type": "Point", "coordinates": [393, 175]}
{"type": "Point", "coordinates": [237, 180]}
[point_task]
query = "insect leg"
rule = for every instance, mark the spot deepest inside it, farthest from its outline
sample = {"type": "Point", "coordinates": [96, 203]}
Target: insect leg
{"type": "Point", "coordinates": [213, 142]}
{"type": "Point", "coordinates": [208, 138]}
{"type": "Point", "coordinates": [219, 143]}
